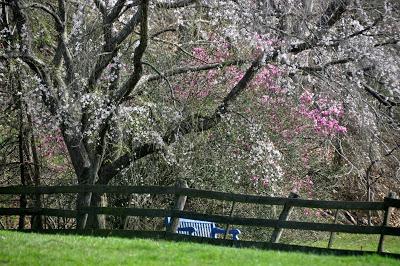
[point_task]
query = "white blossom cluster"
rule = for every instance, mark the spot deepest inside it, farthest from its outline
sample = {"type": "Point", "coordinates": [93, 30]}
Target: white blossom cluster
{"type": "Point", "coordinates": [99, 110]}
{"type": "Point", "coordinates": [243, 150]}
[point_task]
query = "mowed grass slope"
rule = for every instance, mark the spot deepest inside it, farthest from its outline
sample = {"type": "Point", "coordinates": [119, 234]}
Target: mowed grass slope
{"type": "Point", "coordinates": [358, 242]}
{"type": "Point", "coordinates": [36, 249]}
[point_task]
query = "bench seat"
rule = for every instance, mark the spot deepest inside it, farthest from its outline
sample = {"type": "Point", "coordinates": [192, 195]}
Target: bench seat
{"type": "Point", "coordinates": [202, 228]}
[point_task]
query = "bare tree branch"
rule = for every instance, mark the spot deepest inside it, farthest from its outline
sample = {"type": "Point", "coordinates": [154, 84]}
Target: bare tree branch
{"type": "Point", "coordinates": [388, 42]}
{"type": "Point", "coordinates": [324, 66]}
{"type": "Point", "coordinates": [176, 4]}
{"type": "Point", "coordinates": [48, 11]}
{"type": "Point", "coordinates": [137, 58]}
{"type": "Point", "coordinates": [188, 69]}
{"type": "Point", "coordinates": [111, 48]}
{"type": "Point", "coordinates": [128, 28]}
{"type": "Point", "coordinates": [381, 98]}
{"type": "Point", "coordinates": [101, 6]}
{"type": "Point", "coordinates": [332, 14]}
{"type": "Point", "coordinates": [116, 10]}
{"type": "Point", "coordinates": [198, 123]}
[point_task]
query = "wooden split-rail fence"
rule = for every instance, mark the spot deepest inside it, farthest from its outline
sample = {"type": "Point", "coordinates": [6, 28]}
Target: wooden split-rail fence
{"type": "Point", "coordinates": [182, 192]}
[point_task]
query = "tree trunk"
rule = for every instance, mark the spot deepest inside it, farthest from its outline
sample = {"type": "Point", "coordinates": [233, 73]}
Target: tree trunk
{"type": "Point", "coordinates": [83, 200]}
{"type": "Point", "coordinates": [22, 163]}
{"type": "Point", "coordinates": [36, 221]}
{"type": "Point", "coordinates": [97, 221]}
{"type": "Point", "coordinates": [85, 170]}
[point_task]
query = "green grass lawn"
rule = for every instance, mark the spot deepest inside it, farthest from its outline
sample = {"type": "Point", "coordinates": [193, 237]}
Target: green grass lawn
{"type": "Point", "coordinates": [36, 249]}
{"type": "Point", "coordinates": [358, 242]}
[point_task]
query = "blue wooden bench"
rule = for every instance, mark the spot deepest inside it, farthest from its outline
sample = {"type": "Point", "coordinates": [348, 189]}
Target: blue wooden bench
{"type": "Point", "coordinates": [202, 228]}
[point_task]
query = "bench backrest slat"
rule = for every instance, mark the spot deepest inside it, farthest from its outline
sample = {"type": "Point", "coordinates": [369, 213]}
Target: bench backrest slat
{"type": "Point", "coordinates": [203, 228]}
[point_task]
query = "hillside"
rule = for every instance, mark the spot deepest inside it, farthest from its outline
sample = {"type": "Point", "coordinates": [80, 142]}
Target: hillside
{"type": "Point", "coordinates": [35, 249]}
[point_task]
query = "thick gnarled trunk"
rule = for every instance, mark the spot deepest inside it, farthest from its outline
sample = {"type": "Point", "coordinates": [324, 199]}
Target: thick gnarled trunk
{"type": "Point", "coordinates": [84, 200]}
{"type": "Point", "coordinates": [97, 221]}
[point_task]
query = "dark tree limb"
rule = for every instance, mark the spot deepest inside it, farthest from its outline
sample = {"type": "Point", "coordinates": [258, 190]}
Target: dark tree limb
{"type": "Point", "coordinates": [128, 28]}
{"type": "Point", "coordinates": [188, 69]}
{"type": "Point", "coordinates": [111, 48]}
{"type": "Point", "coordinates": [198, 123]}
{"type": "Point", "coordinates": [381, 98]}
{"type": "Point", "coordinates": [331, 15]}
{"type": "Point", "coordinates": [388, 42]}
{"type": "Point", "coordinates": [132, 81]}
{"type": "Point", "coordinates": [176, 4]}
{"type": "Point", "coordinates": [55, 16]}
{"type": "Point", "coordinates": [324, 66]}
{"type": "Point", "coordinates": [116, 10]}
{"type": "Point", "coordinates": [101, 6]}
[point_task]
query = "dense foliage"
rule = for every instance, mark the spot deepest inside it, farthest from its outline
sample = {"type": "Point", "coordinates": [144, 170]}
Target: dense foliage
{"type": "Point", "coordinates": [261, 97]}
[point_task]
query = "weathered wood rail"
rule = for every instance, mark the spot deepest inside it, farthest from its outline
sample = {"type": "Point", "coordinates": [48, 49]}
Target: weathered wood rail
{"type": "Point", "coordinates": [197, 193]}
{"type": "Point", "coordinates": [181, 192]}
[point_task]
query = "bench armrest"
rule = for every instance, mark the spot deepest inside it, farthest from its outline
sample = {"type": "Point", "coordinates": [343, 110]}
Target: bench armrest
{"type": "Point", "coordinates": [234, 232]}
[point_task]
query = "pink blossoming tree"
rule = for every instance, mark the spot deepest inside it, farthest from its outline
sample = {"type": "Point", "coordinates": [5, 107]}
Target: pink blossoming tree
{"type": "Point", "coordinates": [271, 90]}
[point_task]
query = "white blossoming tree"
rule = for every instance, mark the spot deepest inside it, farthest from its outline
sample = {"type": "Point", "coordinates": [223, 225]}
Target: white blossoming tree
{"type": "Point", "coordinates": [123, 79]}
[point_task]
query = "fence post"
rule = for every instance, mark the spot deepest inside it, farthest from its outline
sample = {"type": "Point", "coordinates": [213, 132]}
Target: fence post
{"type": "Point", "coordinates": [230, 215]}
{"type": "Point", "coordinates": [284, 216]}
{"type": "Point", "coordinates": [386, 219]}
{"type": "Point", "coordinates": [179, 206]}
{"type": "Point", "coordinates": [332, 234]}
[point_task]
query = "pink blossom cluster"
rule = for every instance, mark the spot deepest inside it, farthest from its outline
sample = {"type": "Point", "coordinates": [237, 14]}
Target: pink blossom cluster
{"type": "Point", "coordinates": [200, 85]}
{"type": "Point", "coordinates": [261, 44]}
{"type": "Point", "coordinates": [303, 185]}
{"type": "Point", "coordinates": [201, 54]}
{"type": "Point", "coordinates": [235, 74]}
{"type": "Point", "coordinates": [323, 112]}
{"type": "Point", "coordinates": [52, 145]}
{"type": "Point", "coordinates": [265, 79]}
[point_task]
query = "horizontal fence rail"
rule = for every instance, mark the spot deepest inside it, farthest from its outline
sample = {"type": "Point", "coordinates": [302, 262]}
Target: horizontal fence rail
{"type": "Point", "coordinates": [23, 190]}
{"type": "Point", "coordinates": [196, 193]}
{"type": "Point", "coordinates": [181, 192]}
{"type": "Point", "coordinates": [161, 213]}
